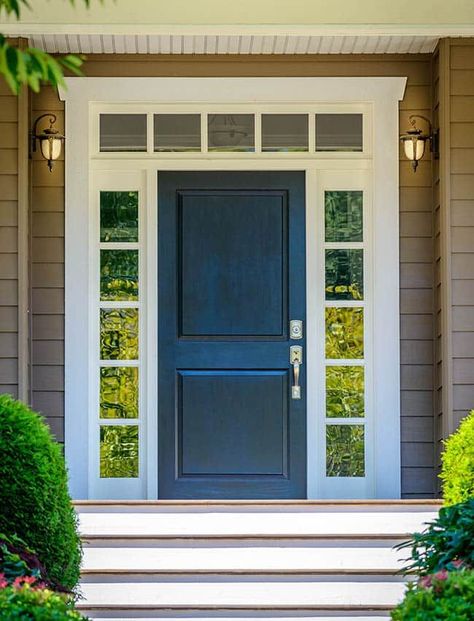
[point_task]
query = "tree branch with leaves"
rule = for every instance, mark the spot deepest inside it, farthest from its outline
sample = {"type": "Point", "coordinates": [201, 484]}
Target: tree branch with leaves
{"type": "Point", "coordinates": [30, 66]}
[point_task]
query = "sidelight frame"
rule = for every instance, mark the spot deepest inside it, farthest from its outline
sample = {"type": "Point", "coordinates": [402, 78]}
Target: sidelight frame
{"type": "Point", "coordinates": [87, 169]}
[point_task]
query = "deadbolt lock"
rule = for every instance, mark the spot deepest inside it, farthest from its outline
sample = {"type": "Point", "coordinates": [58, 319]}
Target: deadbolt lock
{"type": "Point", "coordinates": [296, 329]}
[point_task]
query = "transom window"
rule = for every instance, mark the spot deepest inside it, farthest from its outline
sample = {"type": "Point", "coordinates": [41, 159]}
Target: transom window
{"type": "Point", "coordinates": [233, 132]}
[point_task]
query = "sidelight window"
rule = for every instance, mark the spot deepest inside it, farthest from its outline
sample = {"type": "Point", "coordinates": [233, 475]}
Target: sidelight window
{"type": "Point", "coordinates": [119, 332]}
{"type": "Point", "coordinates": [345, 319]}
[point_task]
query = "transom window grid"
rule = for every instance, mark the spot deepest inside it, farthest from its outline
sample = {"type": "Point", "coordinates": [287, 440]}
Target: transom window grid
{"type": "Point", "coordinates": [203, 146]}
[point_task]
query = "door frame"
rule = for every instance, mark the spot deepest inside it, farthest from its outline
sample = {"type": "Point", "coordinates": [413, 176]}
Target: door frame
{"type": "Point", "coordinates": [86, 170]}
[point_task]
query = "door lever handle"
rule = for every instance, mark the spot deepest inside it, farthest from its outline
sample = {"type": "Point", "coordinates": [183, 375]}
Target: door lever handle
{"type": "Point", "coordinates": [296, 359]}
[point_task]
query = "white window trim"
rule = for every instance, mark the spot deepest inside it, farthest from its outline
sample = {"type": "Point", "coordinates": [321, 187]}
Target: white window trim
{"type": "Point", "coordinates": [383, 95]}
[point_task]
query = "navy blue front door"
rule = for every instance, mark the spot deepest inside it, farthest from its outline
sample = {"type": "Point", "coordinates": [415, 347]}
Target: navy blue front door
{"type": "Point", "coordinates": [231, 277]}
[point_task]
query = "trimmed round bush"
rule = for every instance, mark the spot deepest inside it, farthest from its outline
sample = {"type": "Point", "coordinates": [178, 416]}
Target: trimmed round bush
{"type": "Point", "coordinates": [446, 596]}
{"type": "Point", "coordinates": [457, 472]}
{"type": "Point", "coordinates": [34, 499]}
{"type": "Point", "coordinates": [24, 601]}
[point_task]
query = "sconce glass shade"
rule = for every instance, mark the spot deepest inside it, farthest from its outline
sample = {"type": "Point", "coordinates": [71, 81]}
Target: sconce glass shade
{"type": "Point", "coordinates": [414, 148]}
{"type": "Point", "coordinates": [414, 143]}
{"type": "Point", "coordinates": [50, 146]}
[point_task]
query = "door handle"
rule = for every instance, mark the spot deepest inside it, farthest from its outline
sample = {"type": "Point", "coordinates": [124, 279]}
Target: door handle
{"type": "Point", "coordinates": [296, 360]}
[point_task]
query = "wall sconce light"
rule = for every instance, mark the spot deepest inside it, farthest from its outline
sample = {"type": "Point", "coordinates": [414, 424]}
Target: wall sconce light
{"type": "Point", "coordinates": [414, 141]}
{"type": "Point", "coordinates": [50, 140]}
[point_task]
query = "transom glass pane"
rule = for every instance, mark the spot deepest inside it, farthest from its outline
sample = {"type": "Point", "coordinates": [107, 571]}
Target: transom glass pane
{"type": "Point", "coordinates": [343, 215]}
{"type": "Point", "coordinates": [344, 332]}
{"type": "Point", "coordinates": [339, 132]}
{"type": "Point", "coordinates": [119, 392]}
{"type": "Point", "coordinates": [284, 132]}
{"type": "Point", "coordinates": [344, 392]}
{"type": "Point", "coordinates": [119, 275]}
{"type": "Point", "coordinates": [345, 452]}
{"type": "Point", "coordinates": [231, 132]}
{"type": "Point", "coordinates": [119, 216]}
{"type": "Point", "coordinates": [122, 132]}
{"type": "Point", "coordinates": [344, 275]}
{"type": "Point", "coordinates": [119, 334]}
{"type": "Point", "coordinates": [177, 132]}
{"type": "Point", "coordinates": [119, 451]}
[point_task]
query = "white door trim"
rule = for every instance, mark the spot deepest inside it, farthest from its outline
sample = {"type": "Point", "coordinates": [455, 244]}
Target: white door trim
{"type": "Point", "coordinates": [84, 97]}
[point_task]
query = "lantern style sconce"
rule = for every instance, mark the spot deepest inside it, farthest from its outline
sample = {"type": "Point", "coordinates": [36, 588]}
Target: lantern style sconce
{"type": "Point", "coordinates": [50, 140]}
{"type": "Point", "coordinates": [414, 141]}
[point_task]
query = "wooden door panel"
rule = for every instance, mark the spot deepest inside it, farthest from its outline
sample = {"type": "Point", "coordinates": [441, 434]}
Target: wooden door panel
{"type": "Point", "coordinates": [231, 276]}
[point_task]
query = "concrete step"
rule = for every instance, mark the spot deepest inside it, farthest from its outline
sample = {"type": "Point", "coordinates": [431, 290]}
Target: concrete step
{"type": "Point", "coordinates": [350, 556]}
{"type": "Point", "coordinates": [245, 560]}
{"type": "Point", "coordinates": [164, 520]}
{"type": "Point", "coordinates": [306, 592]}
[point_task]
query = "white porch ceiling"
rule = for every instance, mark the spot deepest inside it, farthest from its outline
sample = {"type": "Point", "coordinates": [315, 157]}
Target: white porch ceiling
{"type": "Point", "coordinates": [231, 44]}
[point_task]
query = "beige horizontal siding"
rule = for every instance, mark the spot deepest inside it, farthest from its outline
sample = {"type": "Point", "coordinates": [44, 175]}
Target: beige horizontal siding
{"type": "Point", "coordinates": [8, 241]}
{"type": "Point", "coordinates": [462, 223]}
{"type": "Point", "coordinates": [47, 277]}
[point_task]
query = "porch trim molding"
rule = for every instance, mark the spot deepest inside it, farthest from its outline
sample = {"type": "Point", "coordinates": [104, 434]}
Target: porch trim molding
{"type": "Point", "coordinates": [382, 94]}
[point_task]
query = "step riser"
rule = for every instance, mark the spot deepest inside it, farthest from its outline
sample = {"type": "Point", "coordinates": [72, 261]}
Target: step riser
{"type": "Point", "coordinates": [303, 593]}
{"type": "Point", "coordinates": [256, 559]}
{"type": "Point", "coordinates": [210, 524]}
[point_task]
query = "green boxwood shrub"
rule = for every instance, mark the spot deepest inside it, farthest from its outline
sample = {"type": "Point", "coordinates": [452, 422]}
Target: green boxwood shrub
{"type": "Point", "coordinates": [34, 499]}
{"type": "Point", "coordinates": [25, 602]}
{"type": "Point", "coordinates": [447, 596]}
{"type": "Point", "coordinates": [457, 473]}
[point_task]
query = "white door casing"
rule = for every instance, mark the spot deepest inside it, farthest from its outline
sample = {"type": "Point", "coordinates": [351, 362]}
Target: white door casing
{"type": "Point", "coordinates": [375, 170]}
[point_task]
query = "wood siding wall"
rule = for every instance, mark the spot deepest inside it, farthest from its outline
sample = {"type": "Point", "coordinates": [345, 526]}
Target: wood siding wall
{"type": "Point", "coordinates": [458, 58]}
{"type": "Point", "coordinates": [14, 242]}
{"type": "Point", "coordinates": [47, 276]}
{"type": "Point", "coordinates": [416, 238]}
{"type": "Point", "coordinates": [8, 241]}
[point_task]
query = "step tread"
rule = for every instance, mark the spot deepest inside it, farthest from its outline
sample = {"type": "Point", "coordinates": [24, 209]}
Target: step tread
{"type": "Point", "coordinates": [277, 524]}
{"type": "Point", "coordinates": [306, 594]}
{"type": "Point", "coordinates": [250, 558]}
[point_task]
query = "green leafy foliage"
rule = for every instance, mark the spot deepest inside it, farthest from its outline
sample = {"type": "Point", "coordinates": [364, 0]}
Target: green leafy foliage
{"type": "Point", "coordinates": [343, 216]}
{"type": "Point", "coordinates": [17, 560]}
{"type": "Point", "coordinates": [446, 542]}
{"type": "Point", "coordinates": [344, 275]}
{"type": "Point", "coordinates": [457, 471]}
{"type": "Point", "coordinates": [345, 454]}
{"type": "Point", "coordinates": [344, 332]}
{"type": "Point", "coordinates": [119, 392]}
{"type": "Point", "coordinates": [119, 451]}
{"type": "Point", "coordinates": [449, 597]}
{"type": "Point", "coordinates": [118, 216]}
{"type": "Point", "coordinates": [34, 499]}
{"type": "Point", "coordinates": [119, 275]}
{"type": "Point", "coordinates": [28, 602]}
{"type": "Point", "coordinates": [119, 334]}
{"type": "Point", "coordinates": [32, 67]}
{"type": "Point", "coordinates": [344, 391]}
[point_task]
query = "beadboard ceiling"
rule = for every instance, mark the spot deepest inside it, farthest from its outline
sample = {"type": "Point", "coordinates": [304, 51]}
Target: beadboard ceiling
{"type": "Point", "coordinates": [222, 44]}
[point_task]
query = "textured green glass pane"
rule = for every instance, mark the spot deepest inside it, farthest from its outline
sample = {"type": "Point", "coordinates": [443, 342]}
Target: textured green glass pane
{"type": "Point", "coordinates": [343, 216]}
{"type": "Point", "coordinates": [119, 392]}
{"type": "Point", "coordinates": [344, 332]}
{"type": "Point", "coordinates": [119, 334]}
{"type": "Point", "coordinates": [119, 451]}
{"type": "Point", "coordinates": [344, 392]}
{"type": "Point", "coordinates": [119, 216]}
{"type": "Point", "coordinates": [344, 275]}
{"type": "Point", "coordinates": [119, 275]}
{"type": "Point", "coordinates": [345, 453]}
